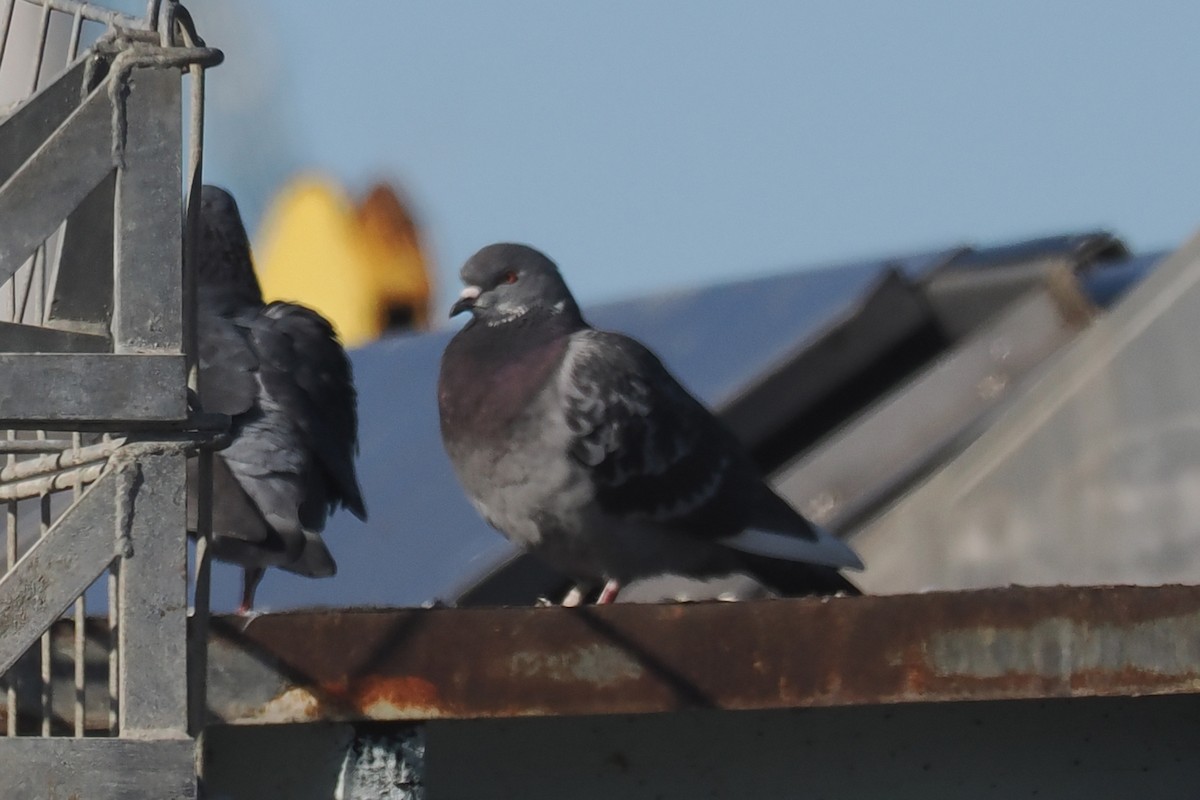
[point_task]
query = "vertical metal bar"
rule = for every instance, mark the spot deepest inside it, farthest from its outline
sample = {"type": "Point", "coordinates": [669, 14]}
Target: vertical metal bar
{"type": "Point", "coordinates": [40, 53]}
{"type": "Point", "coordinates": [47, 646]}
{"type": "Point", "coordinates": [80, 666]}
{"type": "Point", "coordinates": [198, 649]}
{"type": "Point", "coordinates": [152, 7]}
{"type": "Point", "coordinates": [5, 23]}
{"type": "Point", "coordinates": [10, 558]}
{"type": "Point", "coordinates": [25, 273]}
{"type": "Point", "coordinates": [192, 222]}
{"type": "Point", "coordinates": [198, 644]}
{"type": "Point", "coordinates": [148, 316]}
{"type": "Point", "coordinates": [35, 290]}
{"type": "Point", "coordinates": [114, 652]}
{"type": "Point", "coordinates": [76, 32]}
{"type": "Point", "coordinates": [153, 632]}
{"type": "Point", "coordinates": [49, 265]}
{"type": "Point", "coordinates": [80, 622]}
{"type": "Point", "coordinates": [147, 284]}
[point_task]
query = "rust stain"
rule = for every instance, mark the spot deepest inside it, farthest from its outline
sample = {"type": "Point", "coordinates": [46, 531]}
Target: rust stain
{"type": "Point", "coordinates": [1137, 679]}
{"type": "Point", "coordinates": [384, 697]}
{"type": "Point", "coordinates": [398, 690]}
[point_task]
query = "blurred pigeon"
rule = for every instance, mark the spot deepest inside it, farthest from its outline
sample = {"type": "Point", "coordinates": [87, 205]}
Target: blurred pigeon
{"type": "Point", "coordinates": [579, 445]}
{"type": "Point", "coordinates": [279, 372]}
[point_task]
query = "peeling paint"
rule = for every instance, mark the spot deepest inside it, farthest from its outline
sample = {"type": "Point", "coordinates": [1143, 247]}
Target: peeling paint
{"type": "Point", "coordinates": [601, 665]}
{"type": "Point", "coordinates": [294, 705]}
{"type": "Point", "coordinates": [1167, 648]}
{"type": "Point", "coordinates": [390, 767]}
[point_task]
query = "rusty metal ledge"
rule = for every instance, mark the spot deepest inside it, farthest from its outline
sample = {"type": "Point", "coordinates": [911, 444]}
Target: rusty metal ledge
{"type": "Point", "coordinates": [413, 664]}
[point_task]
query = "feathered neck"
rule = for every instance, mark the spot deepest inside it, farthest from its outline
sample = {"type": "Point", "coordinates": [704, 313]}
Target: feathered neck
{"type": "Point", "coordinates": [490, 373]}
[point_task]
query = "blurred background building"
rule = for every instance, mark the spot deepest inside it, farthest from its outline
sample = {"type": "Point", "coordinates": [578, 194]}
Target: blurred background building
{"type": "Point", "coordinates": [362, 264]}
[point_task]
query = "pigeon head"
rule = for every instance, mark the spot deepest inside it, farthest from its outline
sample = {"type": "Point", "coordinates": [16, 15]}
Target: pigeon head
{"type": "Point", "coordinates": [222, 247]}
{"type": "Point", "coordinates": [504, 282]}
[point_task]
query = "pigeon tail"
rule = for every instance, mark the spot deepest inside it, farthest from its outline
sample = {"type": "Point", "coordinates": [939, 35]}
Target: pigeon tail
{"type": "Point", "coordinates": [825, 549]}
{"type": "Point", "coordinates": [797, 578]}
{"type": "Point", "coordinates": [314, 561]}
{"type": "Point", "coordinates": [352, 501]}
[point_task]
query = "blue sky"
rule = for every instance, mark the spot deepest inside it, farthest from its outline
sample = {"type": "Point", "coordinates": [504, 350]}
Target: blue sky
{"type": "Point", "coordinates": [656, 145]}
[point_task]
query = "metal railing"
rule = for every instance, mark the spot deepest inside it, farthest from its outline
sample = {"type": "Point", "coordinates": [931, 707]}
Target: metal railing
{"type": "Point", "coordinates": [95, 364]}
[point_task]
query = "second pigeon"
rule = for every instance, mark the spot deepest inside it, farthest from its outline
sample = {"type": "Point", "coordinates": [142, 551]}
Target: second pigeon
{"type": "Point", "coordinates": [579, 445]}
{"type": "Point", "coordinates": [279, 372]}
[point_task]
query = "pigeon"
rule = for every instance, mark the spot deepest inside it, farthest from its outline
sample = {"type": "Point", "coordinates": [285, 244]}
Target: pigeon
{"type": "Point", "coordinates": [578, 445]}
{"type": "Point", "coordinates": [278, 371]}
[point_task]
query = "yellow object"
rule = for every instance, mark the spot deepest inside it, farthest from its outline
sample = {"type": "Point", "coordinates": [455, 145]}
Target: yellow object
{"type": "Point", "coordinates": [363, 268]}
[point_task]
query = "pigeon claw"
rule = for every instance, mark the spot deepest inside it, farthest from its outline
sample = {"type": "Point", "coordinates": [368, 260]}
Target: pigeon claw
{"type": "Point", "coordinates": [609, 593]}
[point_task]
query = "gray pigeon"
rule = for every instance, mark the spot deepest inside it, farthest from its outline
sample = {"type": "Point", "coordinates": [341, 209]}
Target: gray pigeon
{"type": "Point", "coordinates": [579, 445]}
{"type": "Point", "coordinates": [278, 371]}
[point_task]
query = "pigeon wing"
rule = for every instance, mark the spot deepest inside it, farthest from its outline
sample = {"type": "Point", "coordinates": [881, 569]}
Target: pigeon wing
{"type": "Point", "coordinates": [228, 366]}
{"type": "Point", "coordinates": [305, 371]}
{"type": "Point", "coordinates": [657, 453]}
{"type": "Point", "coordinates": [652, 450]}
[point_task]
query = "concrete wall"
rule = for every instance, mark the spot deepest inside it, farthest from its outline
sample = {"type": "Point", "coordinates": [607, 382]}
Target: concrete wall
{"type": "Point", "coordinates": [1089, 748]}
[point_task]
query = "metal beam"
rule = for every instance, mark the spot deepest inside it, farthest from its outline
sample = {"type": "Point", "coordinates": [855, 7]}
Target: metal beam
{"type": "Point", "coordinates": [17, 338]}
{"type": "Point", "coordinates": [55, 179]}
{"type": "Point", "coordinates": [409, 664]}
{"type": "Point", "coordinates": [414, 664]}
{"type": "Point", "coordinates": [81, 291]}
{"type": "Point", "coordinates": [35, 120]}
{"type": "Point", "coordinates": [152, 633]}
{"type": "Point", "coordinates": [97, 769]}
{"type": "Point", "coordinates": [69, 387]}
{"type": "Point", "coordinates": [55, 570]}
{"type": "Point", "coordinates": [148, 281]}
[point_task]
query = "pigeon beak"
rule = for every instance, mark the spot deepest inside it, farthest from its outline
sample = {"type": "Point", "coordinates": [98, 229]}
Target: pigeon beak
{"type": "Point", "coordinates": [466, 301]}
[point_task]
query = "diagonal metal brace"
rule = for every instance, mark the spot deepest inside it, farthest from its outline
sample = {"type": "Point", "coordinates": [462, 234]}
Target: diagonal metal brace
{"type": "Point", "coordinates": [56, 570]}
{"type": "Point", "coordinates": [56, 178]}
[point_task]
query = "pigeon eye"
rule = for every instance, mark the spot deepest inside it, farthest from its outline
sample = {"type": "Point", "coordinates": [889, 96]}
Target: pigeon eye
{"type": "Point", "coordinates": [509, 277]}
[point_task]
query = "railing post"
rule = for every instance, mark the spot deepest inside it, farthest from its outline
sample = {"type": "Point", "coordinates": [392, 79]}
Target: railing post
{"type": "Point", "coordinates": [148, 256]}
{"type": "Point", "coordinates": [148, 317]}
{"type": "Point", "coordinates": [152, 497]}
